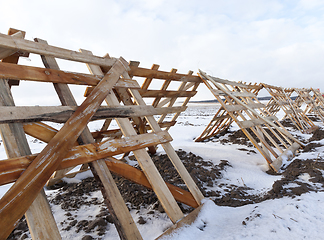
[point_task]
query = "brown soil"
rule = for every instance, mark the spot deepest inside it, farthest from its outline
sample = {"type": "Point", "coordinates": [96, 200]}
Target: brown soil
{"type": "Point", "coordinates": [70, 197]}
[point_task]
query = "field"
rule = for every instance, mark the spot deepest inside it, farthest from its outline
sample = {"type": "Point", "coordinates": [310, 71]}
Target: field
{"type": "Point", "coordinates": [244, 200]}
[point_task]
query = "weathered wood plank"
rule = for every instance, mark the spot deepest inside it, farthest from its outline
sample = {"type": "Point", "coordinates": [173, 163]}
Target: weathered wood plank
{"type": "Point", "coordinates": [137, 176]}
{"type": "Point", "coordinates": [48, 50]}
{"type": "Point", "coordinates": [164, 195]}
{"type": "Point", "coordinates": [237, 107]}
{"type": "Point", "coordinates": [21, 72]}
{"type": "Point", "coordinates": [20, 196]}
{"type": "Point", "coordinates": [154, 73]}
{"type": "Point", "coordinates": [61, 114]}
{"type": "Point", "coordinates": [42, 224]}
{"type": "Point", "coordinates": [5, 52]}
{"type": "Point", "coordinates": [189, 219]}
{"type": "Point", "coordinates": [166, 93]}
{"type": "Point", "coordinates": [174, 158]}
{"type": "Point", "coordinates": [236, 84]}
{"type": "Point", "coordinates": [147, 81]}
{"type": "Point", "coordinates": [11, 169]}
{"type": "Point", "coordinates": [255, 122]}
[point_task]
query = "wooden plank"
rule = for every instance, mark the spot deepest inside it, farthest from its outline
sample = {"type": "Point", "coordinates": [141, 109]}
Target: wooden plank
{"type": "Point", "coordinates": [237, 107]}
{"type": "Point", "coordinates": [21, 72]}
{"type": "Point", "coordinates": [174, 158]}
{"type": "Point", "coordinates": [48, 50]}
{"type": "Point", "coordinates": [147, 81]}
{"type": "Point", "coordinates": [5, 52]}
{"type": "Point", "coordinates": [45, 133]}
{"type": "Point", "coordinates": [189, 219]}
{"type": "Point", "coordinates": [287, 155]}
{"type": "Point", "coordinates": [163, 193]}
{"type": "Point", "coordinates": [41, 224]}
{"type": "Point", "coordinates": [152, 73]}
{"type": "Point", "coordinates": [11, 169]}
{"type": "Point", "coordinates": [166, 93]}
{"type": "Point", "coordinates": [255, 122]}
{"type": "Point", "coordinates": [235, 84]}
{"type": "Point", "coordinates": [61, 114]}
{"type": "Point", "coordinates": [123, 221]}
{"type": "Point", "coordinates": [137, 176]}
{"type": "Point", "coordinates": [184, 86]}
{"type": "Point", "coordinates": [21, 195]}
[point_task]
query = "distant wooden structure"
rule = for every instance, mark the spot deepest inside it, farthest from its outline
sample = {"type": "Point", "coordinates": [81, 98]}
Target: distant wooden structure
{"type": "Point", "coordinates": [281, 100]}
{"type": "Point", "coordinates": [313, 103]}
{"type": "Point", "coordinates": [222, 120]}
{"type": "Point", "coordinates": [240, 103]}
{"type": "Point", "coordinates": [111, 80]}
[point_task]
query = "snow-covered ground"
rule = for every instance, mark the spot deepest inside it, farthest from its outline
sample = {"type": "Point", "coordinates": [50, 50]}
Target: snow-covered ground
{"type": "Point", "coordinates": [300, 217]}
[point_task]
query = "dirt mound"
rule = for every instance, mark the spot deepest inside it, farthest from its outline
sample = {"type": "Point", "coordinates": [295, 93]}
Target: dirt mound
{"type": "Point", "coordinates": [318, 134]}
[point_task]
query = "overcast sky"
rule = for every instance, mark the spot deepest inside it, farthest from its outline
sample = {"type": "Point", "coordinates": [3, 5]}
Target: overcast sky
{"type": "Point", "coordinates": [276, 42]}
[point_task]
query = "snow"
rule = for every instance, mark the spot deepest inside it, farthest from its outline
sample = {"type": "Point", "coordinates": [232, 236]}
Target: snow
{"type": "Point", "coordinates": [285, 218]}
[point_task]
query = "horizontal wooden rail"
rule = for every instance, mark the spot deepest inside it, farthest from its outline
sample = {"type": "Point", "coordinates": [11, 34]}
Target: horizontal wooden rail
{"type": "Point", "coordinates": [61, 114]}
{"type": "Point", "coordinates": [166, 93]}
{"type": "Point", "coordinates": [152, 73]}
{"type": "Point", "coordinates": [21, 72]}
{"type": "Point", "coordinates": [48, 50]}
{"type": "Point", "coordinates": [11, 169]}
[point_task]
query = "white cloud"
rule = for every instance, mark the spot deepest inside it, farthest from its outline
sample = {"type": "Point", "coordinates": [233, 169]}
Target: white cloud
{"type": "Point", "coordinates": [279, 42]}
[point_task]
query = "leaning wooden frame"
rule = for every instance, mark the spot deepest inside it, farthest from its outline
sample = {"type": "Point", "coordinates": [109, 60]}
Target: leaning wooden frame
{"type": "Point", "coordinates": [74, 144]}
{"type": "Point", "coordinates": [265, 132]}
{"type": "Point", "coordinates": [169, 100]}
{"type": "Point", "coordinates": [281, 100]}
{"type": "Point", "coordinates": [313, 103]}
{"type": "Point", "coordinates": [222, 120]}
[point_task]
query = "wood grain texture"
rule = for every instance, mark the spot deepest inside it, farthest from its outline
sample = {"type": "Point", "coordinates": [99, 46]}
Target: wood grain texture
{"type": "Point", "coordinates": [20, 196]}
{"type": "Point", "coordinates": [21, 72]}
{"type": "Point", "coordinates": [42, 224]}
{"type": "Point", "coordinates": [61, 114]}
{"type": "Point", "coordinates": [11, 169]}
{"type": "Point", "coordinates": [47, 50]}
{"type": "Point", "coordinates": [163, 193]}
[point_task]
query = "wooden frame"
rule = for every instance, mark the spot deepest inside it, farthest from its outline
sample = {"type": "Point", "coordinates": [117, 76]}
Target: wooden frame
{"type": "Point", "coordinates": [74, 144]}
{"type": "Point", "coordinates": [163, 99]}
{"type": "Point", "coordinates": [281, 100]}
{"type": "Point", "coordinates": [265, 132]}
{"type": "Point", "coordinates": [222, 120]}
{"type": "Point", "coordinates": [314, 104]}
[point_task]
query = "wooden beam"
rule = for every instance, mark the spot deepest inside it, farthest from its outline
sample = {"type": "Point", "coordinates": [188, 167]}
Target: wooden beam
{"type": "Point", "coordinates": [9, 42]}
{"type": "Point", "coordinates": [61, 114]}
{"type": "Point", "coordinates": [164, 195]}
{"type": "Point", "coordinates": [166, 93]}
{"type": "Point", "coordinates": [137, 176]}
{"type": "Point", "coordinates": [188, 220]}
{"type": "Point", "coordinates": [11, 169]}
{"type": "Point", "coordinates": [21, 72]}
{"type": "Point", "coordinates": [21, 195]}
{"type": "Point", "coordinates": [41, 224]}
{"type": "Point", "coordinates": [154, 73]}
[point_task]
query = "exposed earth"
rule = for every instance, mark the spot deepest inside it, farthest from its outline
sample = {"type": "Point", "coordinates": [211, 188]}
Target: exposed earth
{"type": "Point", "coordinates": [72, 196]}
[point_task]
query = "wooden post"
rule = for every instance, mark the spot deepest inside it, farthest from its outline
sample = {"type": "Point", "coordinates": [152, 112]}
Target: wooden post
{"type": "Point", "coordinates": [164, 195]}
{"type": "Point", "coordinates": [39, 217]}
{"type": "Point", "coordinates": [21, 195]}
{"type": "Point", "coordinates": [123, 221]}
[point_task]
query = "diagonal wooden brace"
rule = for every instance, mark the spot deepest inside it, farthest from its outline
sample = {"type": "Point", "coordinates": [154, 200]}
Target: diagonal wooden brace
{"type": "Point", "coordinates": [20, 196]}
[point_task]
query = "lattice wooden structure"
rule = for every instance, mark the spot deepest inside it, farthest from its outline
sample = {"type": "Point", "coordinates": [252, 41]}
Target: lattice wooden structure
{"type": "Point", "coordinates": [281, 100]}
{"type": "Point", "coordinates": [74, 144]}
{"type": "Point", "coordinates": [175, 89]}
{"type": "Point", "coordinates": [314, 103]}
{"type": "Point", "coordinates": [265, 132]}
{"type": "Point", "coordinates": [222, 120]}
